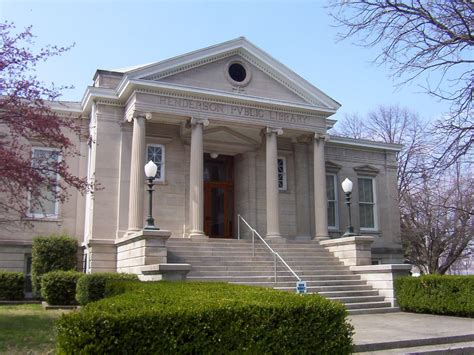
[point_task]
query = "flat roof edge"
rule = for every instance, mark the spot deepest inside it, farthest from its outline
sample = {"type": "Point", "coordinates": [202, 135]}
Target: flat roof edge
{"type": "Point", "coordinates": [365, 143]}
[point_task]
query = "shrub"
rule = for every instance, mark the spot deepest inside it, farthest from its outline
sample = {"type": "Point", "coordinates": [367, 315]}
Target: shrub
{"type": "Point", "coordinates": [436, 294]}
{"type": "Point", "coordinates": [203, 318]}
{"type": "Point", "coordinates": [91, 287]}
{"type": "Point", "coordinates": [59, 287]}
{"type": "Point", "coordinates": [12, 285]}
{"type": "Point", "coordinates": [50, 254]}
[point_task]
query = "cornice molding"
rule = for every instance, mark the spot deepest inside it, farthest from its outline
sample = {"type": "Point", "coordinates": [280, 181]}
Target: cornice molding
{"type": "Point", "coordinates": [229, 99]}
{"type": "Point", "coordinates": [332, 167]}
{"type": "Point", "coordinates": [366, 170]}
{"type": "Point", "coordinates": [247, 50]}
{"type": "Point", "coordinates": [364, 143]}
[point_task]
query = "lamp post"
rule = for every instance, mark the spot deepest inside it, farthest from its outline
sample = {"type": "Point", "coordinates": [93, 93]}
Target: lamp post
{"type": "Point", "coordinates": [150, 172]}
{"type": "Point", "coordinates": [347, 188]}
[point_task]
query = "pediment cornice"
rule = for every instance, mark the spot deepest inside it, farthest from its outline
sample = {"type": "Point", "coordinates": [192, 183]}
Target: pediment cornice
{"type": "Point", "coordinates": [332, 167]}
{"type": "Point", "coordinates": [366, 170]}
{"type": "Point", "coordinates": [250, 53]}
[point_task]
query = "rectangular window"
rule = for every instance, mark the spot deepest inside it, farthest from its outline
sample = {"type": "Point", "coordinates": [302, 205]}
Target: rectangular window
{"type": "Point", "coordinates": [156, 153]}
{"type": "Point", "coordinates": [282, 178]}
{"type": "Point", "coordinates": [46, 203]}
{"type": "Point", "coordinates": [331, 189]}
{"type": "Point", "coordinates": [366, 203]}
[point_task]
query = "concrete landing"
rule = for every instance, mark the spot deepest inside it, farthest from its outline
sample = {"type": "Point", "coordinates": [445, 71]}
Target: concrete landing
{"type": "Point", "coordinates": [405, 333]}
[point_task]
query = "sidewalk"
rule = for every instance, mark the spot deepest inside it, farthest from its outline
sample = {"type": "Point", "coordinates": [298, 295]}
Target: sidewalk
{"type": "Point", "coordinates": [401, 330]}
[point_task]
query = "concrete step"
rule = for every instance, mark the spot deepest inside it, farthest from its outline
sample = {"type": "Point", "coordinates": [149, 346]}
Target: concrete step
{"type": "Point", "coordinates": [462, 344]}
{"type": "Point", "coordinates": [455, 348]}
{"type": "Point", "coordinates": [367, 305]}
{"type": "Point", "coordinates": [321, 283]}
{"type": "Point", "coordinates": [248, 254]}
{"type": "Point", "coordinates": [262, 248]}
{"type": "Point", "coordinates": [259, 268]}
{"type": "Point", "coordinates": [282, 286]}
{"type": "Point", "coordinates": [173, 241]}
{"type": "Point", "coordinates": [265, 271]}
{"type": "Point", "coordinates": [292, 248]}
{"type": "Point", "coordinates": [374, 310]}
{"type": "Point", "coordinates": [357, 299]}
{"type": "Point", "coordinates": [218, 252]}
{"type": "Point", "coordinates": [249, 257]}
{"type": "Point", "coordinates": [217, 260]}
{"type": "Point", "coordinates": [267, 279]}
{"type": "Point", "coordinates": [349, 293]}
{"type": "Point", "coordinates": [235, 262]}
{"type": "Point", "coordinates": [333, 277]}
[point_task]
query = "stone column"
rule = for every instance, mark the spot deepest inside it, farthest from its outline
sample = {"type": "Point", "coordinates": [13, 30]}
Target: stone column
{"type": "Point", "coordinates": [252, 188]}
{"type": "Point", "coordinates": [137, 174]}
{"type": "Point", "coordinates": [320, 196]}
{"type": "Point", "coordinates": [273, 204]}
{"type": "Point", "coordinates": [196, 177]}
{"type": "Point", "coordinates": [300, 151]}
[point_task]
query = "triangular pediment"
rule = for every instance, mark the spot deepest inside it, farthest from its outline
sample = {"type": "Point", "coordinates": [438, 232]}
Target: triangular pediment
{"type": "Point", "coordinates": [366, 170]}
{"type": "Point", "coordinates": [332, 167]}
{"type": "Point", "coordinates": [207, 69]}
{"type": "Point", "coordinates": [214, 76]}
{"type": "Point", "coordinates": [226, 135]}
{"type": "Point", "coordinates": [224, 140]}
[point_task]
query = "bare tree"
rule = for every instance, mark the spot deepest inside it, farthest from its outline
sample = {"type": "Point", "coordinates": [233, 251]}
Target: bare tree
{"type": "Point", "coordinates": [394, 124]}
{"type": "Point", "coordinates": [436, 207]}
{"type": "Point", "coordinates": [431, 40]}
{"type": "Point", "coordinates": [438, 222]}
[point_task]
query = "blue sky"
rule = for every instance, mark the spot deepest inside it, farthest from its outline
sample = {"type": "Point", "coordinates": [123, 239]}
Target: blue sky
{"type": "Point", "coordinates": [300, 34]}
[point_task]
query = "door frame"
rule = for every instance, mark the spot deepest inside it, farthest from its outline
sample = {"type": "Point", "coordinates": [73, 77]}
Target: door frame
{"type": "Point", "coordinates": [228, 187]}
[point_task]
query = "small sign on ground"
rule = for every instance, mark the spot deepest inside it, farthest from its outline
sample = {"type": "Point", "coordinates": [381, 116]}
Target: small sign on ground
{"type": "Point", "coordinates": [300, 286]}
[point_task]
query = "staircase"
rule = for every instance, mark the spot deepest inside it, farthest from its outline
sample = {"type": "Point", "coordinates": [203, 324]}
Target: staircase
{"type": "Point", "coordinates": [231, 260]}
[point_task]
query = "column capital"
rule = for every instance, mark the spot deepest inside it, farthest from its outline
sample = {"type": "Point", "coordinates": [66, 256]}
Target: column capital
{"type": "Point", "coordinates": [272, 130]}
{"type": "Point", "coordinates": [138, 114]}
{"type": "Point", "coordinates": [318, 136]}
{"type": "Point", "coordinates": [195, 121]}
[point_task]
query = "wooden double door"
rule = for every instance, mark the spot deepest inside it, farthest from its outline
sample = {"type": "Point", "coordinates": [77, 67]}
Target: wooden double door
{"type": "Point", "coordinates": [218, 196]}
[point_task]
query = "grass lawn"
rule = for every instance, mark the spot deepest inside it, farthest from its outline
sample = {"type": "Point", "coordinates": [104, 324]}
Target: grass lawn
{"type": "Point", "coordinates": [27, 329]}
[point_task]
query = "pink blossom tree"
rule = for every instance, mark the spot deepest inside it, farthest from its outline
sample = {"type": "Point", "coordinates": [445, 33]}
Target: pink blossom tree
{"type": "Point", "coordinates": [27, 120]}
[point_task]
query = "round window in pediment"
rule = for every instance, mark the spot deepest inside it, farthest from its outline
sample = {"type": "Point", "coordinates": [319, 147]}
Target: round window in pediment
{"type": "Point", "coordinates": [238, 73]}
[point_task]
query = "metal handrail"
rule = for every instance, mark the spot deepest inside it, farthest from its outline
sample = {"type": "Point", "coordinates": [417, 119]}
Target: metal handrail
{"type": "Point", "coordinates": [275, 254]}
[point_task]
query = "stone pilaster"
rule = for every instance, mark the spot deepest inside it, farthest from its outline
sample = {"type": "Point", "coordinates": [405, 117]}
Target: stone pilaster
{"type": "Point", "coordinates": [300, 151]}
{"type": "Point", "coordinates": [320, 196]}
{"type": "Point", "coordinates": [137, 174]}
{"type": "Point", "coordinates": [273, 204]}
{"type": "Point", "coordinates": [196, 183]}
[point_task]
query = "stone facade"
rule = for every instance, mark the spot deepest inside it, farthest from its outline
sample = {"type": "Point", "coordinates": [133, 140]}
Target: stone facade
{"type": "Point", "coordinates": [191, 107]}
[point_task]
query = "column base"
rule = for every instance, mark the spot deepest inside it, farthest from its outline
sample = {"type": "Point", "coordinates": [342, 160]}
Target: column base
{"type": "Point", "coordinates": [198, 235]}
{"type": "Point", "coordinates": [320, 238]}
{"type": "Point", "coordinates": [275, 238]}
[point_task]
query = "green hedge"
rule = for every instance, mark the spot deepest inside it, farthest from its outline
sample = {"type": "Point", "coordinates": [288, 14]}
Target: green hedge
{"type": "Point", "coordinates": [12, 285]}
{"type": "Point", "coordinates": [436, 294]}
{"type": "Point", "coordinates": [91, 287]}
{"type": "Point", "coordinates": [59, 287]}
{"type": "Point", "coordinates": [204, 318]}
{"type": "Point", "coordinates": [50, 254]}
